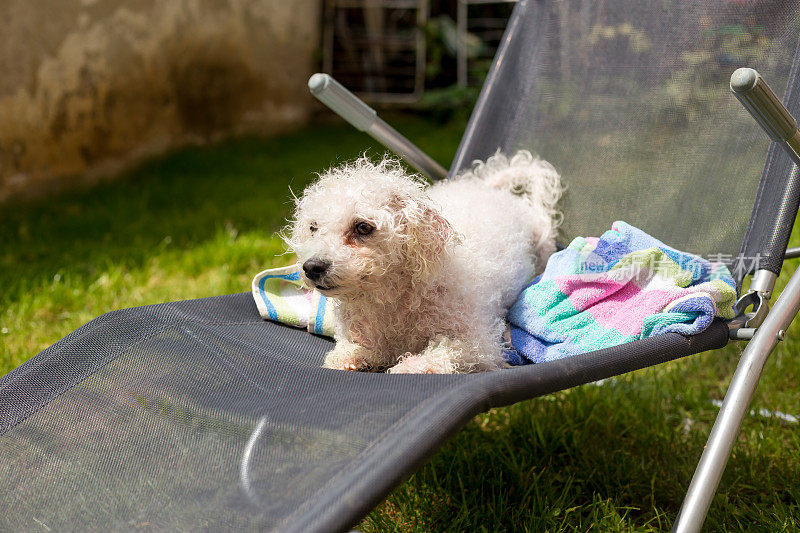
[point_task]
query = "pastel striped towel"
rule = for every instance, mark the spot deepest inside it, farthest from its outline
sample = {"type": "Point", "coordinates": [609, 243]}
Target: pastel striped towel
{"type": "Point", "coordinates": [280, 297]}
{"type": "Point", "coordinates": [626, 285]}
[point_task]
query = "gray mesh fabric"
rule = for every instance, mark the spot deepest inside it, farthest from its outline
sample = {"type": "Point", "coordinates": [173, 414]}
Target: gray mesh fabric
{"type": "Point", "coordinates": [200, 415]}
{"type": "Point", "coordinates": [187, 419]}
{"type": "Point", "coordinates": [630, 100]}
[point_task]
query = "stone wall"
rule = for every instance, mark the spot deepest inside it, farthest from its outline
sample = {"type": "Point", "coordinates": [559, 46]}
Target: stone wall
{"type": "Point", "coordinates": [89, 86]}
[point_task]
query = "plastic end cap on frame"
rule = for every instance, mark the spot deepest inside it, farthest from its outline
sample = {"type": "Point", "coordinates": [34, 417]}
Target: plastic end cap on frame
{"type": "Point", "coordinates": [743, 80]}
{"type": "Point", "coordinates": [760, 101]}
{"type": "Point", "coordinates": [341, 101]}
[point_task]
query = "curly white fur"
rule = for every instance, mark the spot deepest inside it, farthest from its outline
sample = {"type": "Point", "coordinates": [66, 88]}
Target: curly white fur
{"type": "Point", "coordinates": [426, 289]}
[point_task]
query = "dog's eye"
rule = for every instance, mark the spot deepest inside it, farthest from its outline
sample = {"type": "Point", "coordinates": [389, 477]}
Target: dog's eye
{"type": "Point", "coordinates": [313, 227]}
{"type": "Point", "coordinates": [364, 228]}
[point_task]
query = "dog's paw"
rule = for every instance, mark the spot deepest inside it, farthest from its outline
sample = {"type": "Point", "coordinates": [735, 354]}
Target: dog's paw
{"type": "Point", "coordinates": [349, 356]}
{"type": "Point", "coordinates": [351, 364]}
{"type": "Point", "coordinates": [418, 364]}
{"type": "Point", "coordinates": [356, 366]}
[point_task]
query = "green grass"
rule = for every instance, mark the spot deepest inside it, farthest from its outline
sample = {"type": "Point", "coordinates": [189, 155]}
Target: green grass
{"type": "Point", "coordinates": [198, 222]}
{"type": "Point", "coordinates": [201, 222]}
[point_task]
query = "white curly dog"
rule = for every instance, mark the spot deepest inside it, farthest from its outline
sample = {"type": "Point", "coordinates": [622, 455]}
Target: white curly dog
{"type": "Point", "coordinates": [422, 277]}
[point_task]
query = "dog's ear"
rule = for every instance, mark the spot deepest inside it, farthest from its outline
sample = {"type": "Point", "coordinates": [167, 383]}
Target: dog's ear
{"type": "Point", "coordinates": [426, 235]}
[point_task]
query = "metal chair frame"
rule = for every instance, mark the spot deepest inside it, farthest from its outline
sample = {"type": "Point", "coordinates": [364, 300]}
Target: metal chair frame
{"type": "Point", "coordinates": [763, 326]}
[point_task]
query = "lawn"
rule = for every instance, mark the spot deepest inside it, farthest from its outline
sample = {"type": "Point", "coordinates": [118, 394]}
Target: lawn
{"type": "Point", "coordinates": [615, 456]}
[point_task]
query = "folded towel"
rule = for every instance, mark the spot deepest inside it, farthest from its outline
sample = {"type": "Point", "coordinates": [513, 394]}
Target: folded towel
{"type": "Point", "coordinates": [626, 285]}
{"type": "Point", "coordinates": [280, 297]}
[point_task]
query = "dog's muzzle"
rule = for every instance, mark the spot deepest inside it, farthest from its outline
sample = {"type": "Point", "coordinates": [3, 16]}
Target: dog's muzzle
{"type": "Point", "coordinates": [315, 269]}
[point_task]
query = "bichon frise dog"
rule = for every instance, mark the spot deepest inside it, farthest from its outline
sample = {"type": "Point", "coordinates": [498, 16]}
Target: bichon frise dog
{"type": "Point", "coordinates": [422, 277]}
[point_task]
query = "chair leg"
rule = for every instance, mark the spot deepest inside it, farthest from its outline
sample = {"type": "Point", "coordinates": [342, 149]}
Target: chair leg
{"type": "Point", "coordinates": [734, 407]}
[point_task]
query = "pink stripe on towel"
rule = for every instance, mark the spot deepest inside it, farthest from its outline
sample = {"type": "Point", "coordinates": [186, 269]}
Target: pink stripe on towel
{"type": "Point", "coordinates": [585, 292]}
{"type": "Point", "coordinates": [626, 309]}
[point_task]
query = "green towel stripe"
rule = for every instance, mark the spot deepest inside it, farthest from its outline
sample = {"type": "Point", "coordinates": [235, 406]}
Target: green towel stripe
{"type": "Point", "coordinates": [557, 312]}
{"type": "Point", "coordinates": [654, 261]}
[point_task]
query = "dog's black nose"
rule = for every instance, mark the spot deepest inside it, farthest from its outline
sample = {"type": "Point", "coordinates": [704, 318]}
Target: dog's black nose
{"type": "Point", "coordinates": [315, 268]}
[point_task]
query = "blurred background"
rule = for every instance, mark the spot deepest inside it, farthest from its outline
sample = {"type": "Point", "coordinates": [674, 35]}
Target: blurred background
{"type": "Point", "coordinates": [92, 87]}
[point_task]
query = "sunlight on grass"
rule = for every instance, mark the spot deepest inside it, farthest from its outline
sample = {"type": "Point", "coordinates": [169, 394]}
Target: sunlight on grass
{"type": "Point", "coordinates": [199, 222]}
{"type": "Point", "coordinates": [66, 302]}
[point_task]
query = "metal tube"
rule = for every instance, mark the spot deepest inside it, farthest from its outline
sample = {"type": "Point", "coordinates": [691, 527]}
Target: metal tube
{"type": "Point", "coordinates": [391, 139]}
{"type": "Point", "coordinates": [761, 102]}
{"type": "Point", "coordinates": [793, 143]}
{"type": "Point", "coordinates": [341, 101]}
{"type": "Point", "coordinates": [348, 106]}
{"type": "Point", "coordinates": [734, 407]}
{"type": "Point", "coordinates": [792, 253]}
{"type": "Point", "coordinates": [763, 281]}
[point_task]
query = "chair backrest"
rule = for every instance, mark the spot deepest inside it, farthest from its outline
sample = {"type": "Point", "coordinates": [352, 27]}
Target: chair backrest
{"type": "Point", "coordinates": [629, 99]}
